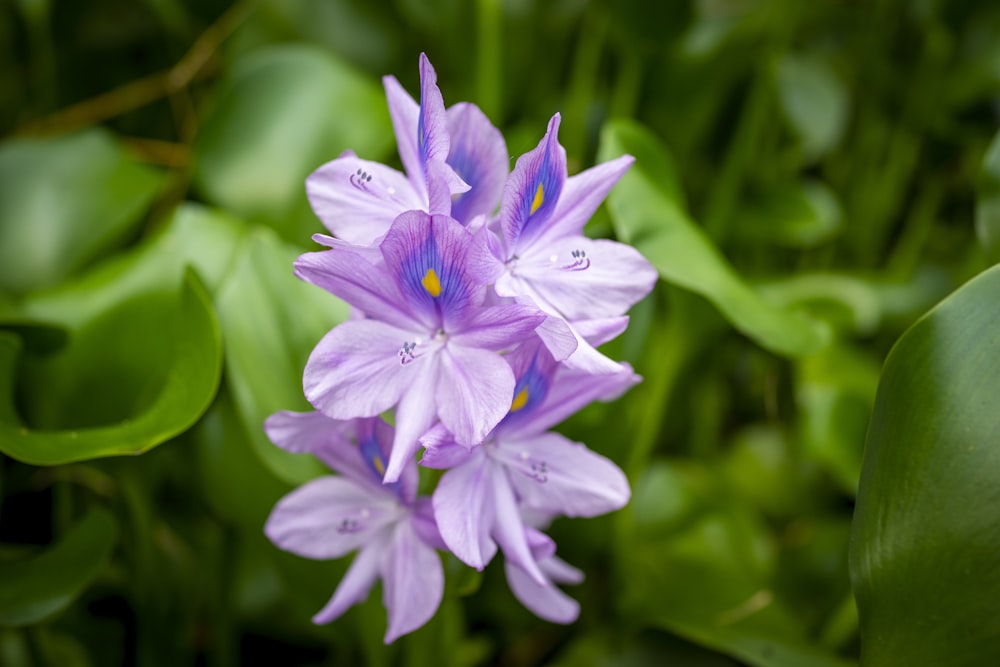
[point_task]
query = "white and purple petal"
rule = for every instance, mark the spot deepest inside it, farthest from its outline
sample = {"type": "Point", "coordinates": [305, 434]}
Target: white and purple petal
{"type": "Point", "coordinates": [580, 197]}
{"type": "Point", "coordinates": [333, 441]}
{"type": "Point", "coordinates": [532, 190]}
{"type": "Point", "coordinates": [415, 414]}
{"type": "Point", "coordinates": [350, 276]}
{"type": "Point", "coordinates": [463, 509]}
{"type": "Point", "coordinates": [329, 517]}
{"type": "Point", "coordinates": [547, 602]}
{"type": "Point", "coordinates": [554, 475]}
{"type": "Point", "coordinates": [579, 278]}
{"type": "Point", "coordinates": [478, 154]}
{"type": "Point", "coordinates": [426, 256]}
{"type": "Point", "coordinates": [508, 528]}
{"type": "Point", "coordinates": [362, 368]}
{"type": "Point", "coordinates": [412, 582]}
{"type": "Point", "coordinates": [357, 582]}
{"type": "Point", "coordinates": [358, 199]}
{"type": "Point", "coordinates": [474, 391]}
{"type": "Point", "coordinates": [497, 327]}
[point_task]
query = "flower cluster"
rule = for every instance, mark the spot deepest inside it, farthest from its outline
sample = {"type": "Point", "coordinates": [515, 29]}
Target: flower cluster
{"type": "Point", "coordinates": [478, 303]}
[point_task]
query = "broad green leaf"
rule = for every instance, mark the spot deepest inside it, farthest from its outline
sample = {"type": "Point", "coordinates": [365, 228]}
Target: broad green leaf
{"type": "Point", "coordinates": [283, 113]}
{"type": "Point", "coordinates": [988, 202]}
{"type": "Point", "coordinates": [814, 101]}
{"type": "Point", "coordinates": [804, 214]}
{"type": "Point", "coordinates": [131, 378]}
{"type": "Point", "coordinates": [144, 357]}
{"type": "Point", "coordinates": [701, 566]}
{"type": "Point", "coordinates": [925, 535]}
{"type": "Point", "coordinates": [36, 587]}
{"type": "Point", "coordinates": [646, 216]}
{"type": "Point", "coordinates": [271, 321]}
{"type": "Point", "coordinates": [202, 238]}
{"type": "Point", "coordinates": [63, 201]}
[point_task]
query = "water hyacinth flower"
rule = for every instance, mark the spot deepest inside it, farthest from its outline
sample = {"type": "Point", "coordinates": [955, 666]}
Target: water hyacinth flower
{"type": "Point", "coordinates": [478, 304]}
{"type": "Point", "coordinates": [455, 162]}
{"type": "Point", "coordinates": [329, 517]}
{"type": "Point", "coordinates": [547, 258]}
{"type": "Point", "coordinates": [429, 347]}
{"type": "Point", "coordinates": [522, 465]}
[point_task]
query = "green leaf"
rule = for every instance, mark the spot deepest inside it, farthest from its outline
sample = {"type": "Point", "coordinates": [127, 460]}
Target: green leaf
{"type": "Point", "coordinates": [34, 588]}
{"type": "Point", "coordinates": [132, 378]}
{"type": "Point", "coordinates": [272, 321]}
{"type": "Point", "coordinates": [647, 216]}
{"type": "Point", "coordinates": [988, 202]}
{"type": "Point", "coordinates": [144, 357]}
{"type": "Point", "coordinates": [701, 566]}
{"type": "Point", "coordinates": [283, 113]}
{"type": "Point", "coordinates": [925, 537]}
{"type": "Point", "coordinates": [202, 238]}
{"type": "Point", "coordinates": [814, 101]}
{"type": "Point", "coordinates": [63, 201]}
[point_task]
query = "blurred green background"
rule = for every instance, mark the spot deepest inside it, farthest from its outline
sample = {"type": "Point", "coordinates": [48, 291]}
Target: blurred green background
{"type": "Point", "coordinates": [811, 179]}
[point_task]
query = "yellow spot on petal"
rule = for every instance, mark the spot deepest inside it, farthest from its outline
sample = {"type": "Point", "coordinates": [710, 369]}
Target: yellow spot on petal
{"type": "Point", "coordinates": [539, 199]}
{"type": "Point", "coordinates": [520, 400]}
{"type": "Point", "coordinates": [431, 283]}
{"type": "Point", "coordinates": [377, 460]}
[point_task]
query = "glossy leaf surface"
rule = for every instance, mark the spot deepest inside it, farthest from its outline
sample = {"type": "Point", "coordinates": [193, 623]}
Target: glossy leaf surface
{"type": "Point", "coordinates": [925, 538]}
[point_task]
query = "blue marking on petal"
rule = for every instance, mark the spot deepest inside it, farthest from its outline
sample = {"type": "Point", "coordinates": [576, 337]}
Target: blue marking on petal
{"type": "Point", "coordinates": [540, 185]}
{"type": "Point", "coordinates": [468, 170]}
{"type": "Point", "coordinates": [422, 137]}
{"type": "Point", "coordinates": [529, 391]}
{"type": "Point", "coordinates": [374, 458]}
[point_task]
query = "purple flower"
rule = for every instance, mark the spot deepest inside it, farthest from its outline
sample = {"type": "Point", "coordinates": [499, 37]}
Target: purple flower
{"type": "Point", "coordinates": [548, 260]}
{"type": "Point", "coordinates": [393, 530]}
{"type": "Point", "coordinates": [521, 466]}
{"type": "Point", "coordinates": [430, 347]}
{"type": "Point", "coordinates": [545, 600]}
{"type": "Point", "coordinates": [455, 161]}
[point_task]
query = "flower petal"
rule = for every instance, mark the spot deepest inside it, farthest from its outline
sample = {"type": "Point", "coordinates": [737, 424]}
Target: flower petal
{"type": "Point", "coordinates": [600, 331]}
{"type": "Point", "coordinates": [329, 517]}
{"type": "Point", "coordinates": [560, 571]}
{"type": "Point", "coordinates": [412, 582]}
{"type": "Point", "coordinates": [508, 528]}
{"type": "Point", "coordinates": [478, 155]}
{"type": "Point", "coordinates": [441, 452]}
{"type": "Point", "coordinates": [498, 327]}
{"type": "Point", "coordinates": [552, 474]}
{"type": "Point", "coordinates": [357, 582]}
{"type": "Point", "coordinates": [567, 392]}
{"type": "Point", "coordinates": [432, 123]}
{"type": "Point", "coordinates": [414, 415]}
{"type": "Point", "coordinates": [357, 281]}
{"type": "Point", "coordinates": [464, 512]}
{"type": "Point", "coordinates": [424, 523]}
{"type": "Point", "coordinates": [533, 189]}
{"type": "Point", "coordinates": [358, 199]}
{"type": "Point", "coordinates": [474, 391]}
{"type": "Point", "coordinates": [547, 602]}
{"type": "Point", "coordinates": [332, 440]}
{"type": "Point", "coordinates": [405, 114]}
{"type": "Point", "coordinates": [426, 256]}
{"type": "Point", "coordinates": [580, 278]}
{"type": "Point", "coordinates": [581, 196]}
{"type": "Point", "coordinates": [359, 369]}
